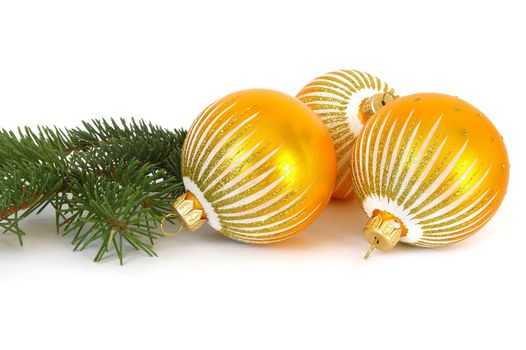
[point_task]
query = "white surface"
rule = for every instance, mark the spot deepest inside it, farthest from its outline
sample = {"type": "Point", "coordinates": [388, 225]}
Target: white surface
{"type": "Point", "coordinates": [61, 62]}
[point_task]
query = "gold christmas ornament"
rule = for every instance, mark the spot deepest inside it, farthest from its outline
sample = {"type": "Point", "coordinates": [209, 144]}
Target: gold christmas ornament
{"type": "Point", "coordinates": [258, 165]}
{"type": "Point", "coordinates": [429, 170]}
{"type": "Point", "coordinates": [345, 100]}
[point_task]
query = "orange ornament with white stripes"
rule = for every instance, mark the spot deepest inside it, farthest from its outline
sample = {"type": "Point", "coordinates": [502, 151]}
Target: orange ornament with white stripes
{"type": "Point", "coordinates": [258, 165]}
{"type": "Point", "coordinates": [429, 170]}
{"type": "Point", "coordinates": [345, 100]}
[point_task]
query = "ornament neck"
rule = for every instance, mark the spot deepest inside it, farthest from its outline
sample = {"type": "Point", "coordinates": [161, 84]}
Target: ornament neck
{"type": "Point", "coordinates": [188, 212]}
{"type": "Point", "coordinates": [372, 104]}
{"type": "Point", "coordinates": [383, 231]}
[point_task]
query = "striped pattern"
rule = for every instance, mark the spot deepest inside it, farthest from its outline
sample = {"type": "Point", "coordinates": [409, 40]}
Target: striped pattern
{"type": "Point", "coordinates": [439, 193]}
{"type": "Point", "coordinates": [336, 98]}
{"type": "Point", "coordinates": [239, 177]}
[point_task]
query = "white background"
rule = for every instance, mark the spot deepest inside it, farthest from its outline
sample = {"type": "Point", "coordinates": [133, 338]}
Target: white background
{"type": "Point", "coordinates": [65, 61]}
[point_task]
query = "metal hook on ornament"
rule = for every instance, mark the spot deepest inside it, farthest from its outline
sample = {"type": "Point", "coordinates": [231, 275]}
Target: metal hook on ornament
{"type": "Point", "coordinates": [372, 247]}
{"type": "Point", "coordinates": [167, 217]}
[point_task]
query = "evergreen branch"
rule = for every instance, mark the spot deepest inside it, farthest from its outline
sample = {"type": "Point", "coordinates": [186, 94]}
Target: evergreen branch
{"type": "Point", "coordinates": [126, 205]}
{"type": "Point", "coordinates": [108, 182]}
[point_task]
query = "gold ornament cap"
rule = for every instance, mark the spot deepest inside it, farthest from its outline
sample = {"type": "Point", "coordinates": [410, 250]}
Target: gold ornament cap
{"type": "Point", "coordinates": [371, 105]}
{"type": "Point", "coordinates": [383, 231]}
{"type": "Point", "coordinates": [188, 211]}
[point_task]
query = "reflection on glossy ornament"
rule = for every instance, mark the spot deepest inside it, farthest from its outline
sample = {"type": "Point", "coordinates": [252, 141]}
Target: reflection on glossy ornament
{"type": "Point", "coordinates": [429, 170]}
{"type": "Point", "coordinates": [258, 165]}
{"type": "Point", "coordinates": [345, 100]}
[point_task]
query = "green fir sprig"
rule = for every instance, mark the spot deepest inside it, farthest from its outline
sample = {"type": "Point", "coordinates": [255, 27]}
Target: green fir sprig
{"type": "Point", "coordinates": [109, 182]}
